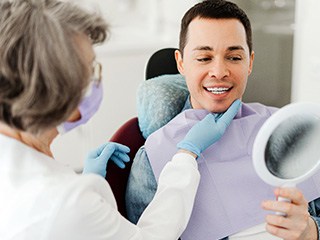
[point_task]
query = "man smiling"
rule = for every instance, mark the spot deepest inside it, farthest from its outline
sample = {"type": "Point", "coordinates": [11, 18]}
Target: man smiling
{"type": "Point", "coordinates": [215, 57]}
{"type": "Point", "coordinates": [216, 62]}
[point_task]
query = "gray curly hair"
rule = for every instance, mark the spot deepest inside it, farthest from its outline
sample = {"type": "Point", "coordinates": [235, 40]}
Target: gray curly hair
{"type": "Point", "coordinates": [43, 74]}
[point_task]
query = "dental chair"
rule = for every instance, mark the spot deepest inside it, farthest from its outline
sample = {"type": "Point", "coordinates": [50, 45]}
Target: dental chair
{"type": "Point", "coordinates": [129, 134]}
{"type": "Point", "coordinates": [161, 62]}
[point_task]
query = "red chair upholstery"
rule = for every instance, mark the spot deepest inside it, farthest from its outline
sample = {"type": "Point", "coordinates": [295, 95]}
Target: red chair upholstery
{"type": "Point", "coordinates": [128, 134]}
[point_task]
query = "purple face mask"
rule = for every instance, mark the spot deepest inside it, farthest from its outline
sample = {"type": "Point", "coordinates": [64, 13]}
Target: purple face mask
{"type": "Point", "coordinates": [88, 107]}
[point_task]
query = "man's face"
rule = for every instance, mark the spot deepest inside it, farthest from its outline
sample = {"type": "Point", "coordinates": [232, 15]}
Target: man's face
{"type": "Point", "coordinates": [216, 63]}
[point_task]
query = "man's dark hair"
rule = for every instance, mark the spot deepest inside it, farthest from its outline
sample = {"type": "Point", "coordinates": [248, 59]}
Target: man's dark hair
{"type": "Point", "coordinates": [214, 9]}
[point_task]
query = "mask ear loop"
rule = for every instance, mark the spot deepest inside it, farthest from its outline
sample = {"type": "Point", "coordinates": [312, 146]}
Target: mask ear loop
{"type": "Point", "coordinates": [90, 102]}
{"type": "Point", "coordinates": [87, 108]}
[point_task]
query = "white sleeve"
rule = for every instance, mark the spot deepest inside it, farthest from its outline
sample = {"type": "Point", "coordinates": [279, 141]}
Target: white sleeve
{"type": "Point", "coordinates": [168, 213]}
{"type": "Point", "coordinates": [89, 212]}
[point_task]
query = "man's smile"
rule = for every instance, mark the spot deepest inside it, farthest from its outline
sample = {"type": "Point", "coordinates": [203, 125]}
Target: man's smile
{"type": "Point", "coordinates": [217, 90]}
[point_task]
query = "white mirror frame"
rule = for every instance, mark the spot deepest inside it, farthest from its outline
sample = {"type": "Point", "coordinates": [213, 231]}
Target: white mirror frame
{"type": "Point", "coordinates": [260, 143]}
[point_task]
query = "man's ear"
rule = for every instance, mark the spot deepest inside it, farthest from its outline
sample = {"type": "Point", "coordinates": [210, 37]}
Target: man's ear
{"type": "Point", "coordinates": [251, 62]}
{"type": "Point", "coordinates": [179, 61]}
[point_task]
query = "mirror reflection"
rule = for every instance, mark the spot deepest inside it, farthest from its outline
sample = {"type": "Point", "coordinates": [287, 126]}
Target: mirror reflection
{"type": "Point", "coordinates": [293, 148]}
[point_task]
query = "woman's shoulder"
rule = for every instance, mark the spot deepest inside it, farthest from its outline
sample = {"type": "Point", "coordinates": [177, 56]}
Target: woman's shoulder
{"type": "Point", "coordinates": [82, 204]}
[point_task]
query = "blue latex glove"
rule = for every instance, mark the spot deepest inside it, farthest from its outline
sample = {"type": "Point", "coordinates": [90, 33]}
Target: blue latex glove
{"type": "Point", "coordinates": [208, 130]}
{"type": "Point", "coordinates": [97, 159]}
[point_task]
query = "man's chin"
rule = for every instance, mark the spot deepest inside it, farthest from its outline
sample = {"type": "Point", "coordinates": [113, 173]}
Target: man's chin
{"type": "Point", "coordinates": [221, 108]}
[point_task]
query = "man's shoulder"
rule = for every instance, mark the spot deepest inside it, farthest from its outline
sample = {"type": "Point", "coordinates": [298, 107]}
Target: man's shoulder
{"type": "Point", "coordinates": [194, 115]}
{"type": "Point", "coordinates": [259, 108]}
{"type": "Point", "coordinates": [180, 123]}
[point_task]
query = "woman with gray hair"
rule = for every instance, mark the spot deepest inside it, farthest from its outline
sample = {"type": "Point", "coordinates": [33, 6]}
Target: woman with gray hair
{"type": "Point", "coordinates": [48, 85]}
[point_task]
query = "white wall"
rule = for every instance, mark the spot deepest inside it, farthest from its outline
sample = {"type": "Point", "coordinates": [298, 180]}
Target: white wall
{"type": "Point", "coordinates": [136, 32]}
{"type": "Point", "coordinates": [306, 63]}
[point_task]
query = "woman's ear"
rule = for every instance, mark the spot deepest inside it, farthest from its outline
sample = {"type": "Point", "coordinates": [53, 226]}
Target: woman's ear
{"type": "Point", "coordinates": [75, 116]}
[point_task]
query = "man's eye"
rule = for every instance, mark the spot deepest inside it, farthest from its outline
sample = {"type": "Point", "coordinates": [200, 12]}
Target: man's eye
{"type": "Point", "coordinates": [235, 58]}
{"type": "Point", "coordinates": [206, 59]}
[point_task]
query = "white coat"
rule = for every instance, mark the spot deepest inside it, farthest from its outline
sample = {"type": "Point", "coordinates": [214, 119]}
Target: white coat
{"type": "Point", "coordinates": [42, 199]}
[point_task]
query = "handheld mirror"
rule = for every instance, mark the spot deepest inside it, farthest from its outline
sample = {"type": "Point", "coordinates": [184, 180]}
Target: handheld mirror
{"type": "Point", "coordinates": [286, 150]}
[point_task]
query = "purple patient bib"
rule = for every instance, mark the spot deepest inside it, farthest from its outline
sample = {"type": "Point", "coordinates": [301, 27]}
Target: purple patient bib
{"type": "Point", "coordinates": [230, 192]}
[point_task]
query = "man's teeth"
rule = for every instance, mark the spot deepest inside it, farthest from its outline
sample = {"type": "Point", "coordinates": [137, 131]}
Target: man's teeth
{"type": "Point", "coordinates": [217, 90]}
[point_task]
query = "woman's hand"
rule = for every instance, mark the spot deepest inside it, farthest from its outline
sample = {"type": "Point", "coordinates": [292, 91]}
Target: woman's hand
{"type": "Point", "coordinates": [208, 130]}
{"type": "Point", "coordinates": [97, 159]}
{"type": "Point", "coordinates": [297, 223]}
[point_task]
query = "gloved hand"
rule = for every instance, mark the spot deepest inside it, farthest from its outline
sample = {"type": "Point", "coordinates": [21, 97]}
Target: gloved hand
{"type": "Point", "coordinates": [208, 130]}
{"type": "Point", "coordinates": [97, 159]}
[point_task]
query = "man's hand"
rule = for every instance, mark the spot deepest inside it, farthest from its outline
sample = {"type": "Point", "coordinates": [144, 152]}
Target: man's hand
{"type": "Point", "coordinates": [297, 223]}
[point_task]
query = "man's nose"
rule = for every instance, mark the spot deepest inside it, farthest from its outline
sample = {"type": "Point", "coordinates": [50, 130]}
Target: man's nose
{"type": "Point", "coordinates": [218, 69]}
